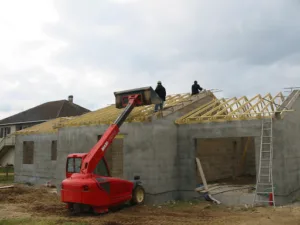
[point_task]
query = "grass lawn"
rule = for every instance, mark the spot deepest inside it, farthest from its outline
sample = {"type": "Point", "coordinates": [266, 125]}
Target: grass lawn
{"type": "Point", "coordinates": [10, 170]}
{"type": "Point", "coordinates": [6, 179]}
{"type": "Point", "coordinates": [35, 221]}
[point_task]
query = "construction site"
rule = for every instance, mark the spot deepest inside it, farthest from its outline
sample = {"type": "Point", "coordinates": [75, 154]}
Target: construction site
{"type": "Point", "coordinates": [248, 148]}
{"type": "Point", "coordinates": [201, 160]}
{"type": "Point", "coordinates": [142, 112]}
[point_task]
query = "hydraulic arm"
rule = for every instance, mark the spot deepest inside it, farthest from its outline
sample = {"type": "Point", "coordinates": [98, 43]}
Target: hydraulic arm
{"type": "Point", "coordinates": [98, 151]}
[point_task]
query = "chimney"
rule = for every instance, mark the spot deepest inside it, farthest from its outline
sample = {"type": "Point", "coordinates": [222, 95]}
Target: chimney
{"type": "Point", "coordinates": [70, 98]}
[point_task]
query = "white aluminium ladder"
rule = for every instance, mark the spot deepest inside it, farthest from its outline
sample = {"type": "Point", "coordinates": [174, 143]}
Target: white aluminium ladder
{"type": "Point", "coordinates": [264, 183]}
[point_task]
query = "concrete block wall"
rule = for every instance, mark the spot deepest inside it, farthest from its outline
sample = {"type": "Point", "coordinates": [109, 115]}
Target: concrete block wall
{"type": "Point", "coordinates": [149, 150]}
{"type": "Point", "coordinates": [249, 164]}
{"type": "Point", "coordinates": [286, 166]}
{"type": "Point", "coordinates": [117, 158]}
{"type": "Point", "coordinates": [278, 157]}
{"type": "Point", "coordinates": [114, 157]}
{"type": "Point", "coordinates": [139, 156]}
{"type": "Point", "coordinates": [165, 162]}
{"type": "Point", "coordinates": [186, 163]}
{"type": "Point", "coordinates": [43, 168]}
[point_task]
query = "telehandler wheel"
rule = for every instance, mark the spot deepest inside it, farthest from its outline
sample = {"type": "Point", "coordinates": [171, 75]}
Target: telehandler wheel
{"type": "Point", "coordinates": [74, 209]}
{"type": "Point", "coordinates": [138, 195]}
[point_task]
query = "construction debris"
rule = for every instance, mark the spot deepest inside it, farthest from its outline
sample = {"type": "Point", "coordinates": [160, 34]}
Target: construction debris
{"type": "Point", "coordinates": [207, 196]}
{"type": "Point", "coordinates": [6, 187]}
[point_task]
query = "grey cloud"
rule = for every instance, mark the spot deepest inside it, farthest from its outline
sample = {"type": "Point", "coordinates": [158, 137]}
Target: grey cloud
{"type": "Point", "coordinates": [28, 46]}
{"type": "Point", "coordinates": [242, 47]}
{"type": "Point", "coordinates": [256, 33]}
{"type": "Point", "coordinates": [36, 86]}
{"type": "Point", "coordinates": [230, 46]}
{"type": "Point", "coordinates": [5, 107]}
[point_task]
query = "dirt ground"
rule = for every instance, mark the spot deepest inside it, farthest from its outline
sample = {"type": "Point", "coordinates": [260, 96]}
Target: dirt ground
{"type": "Point", "coordinates": [27, 205]}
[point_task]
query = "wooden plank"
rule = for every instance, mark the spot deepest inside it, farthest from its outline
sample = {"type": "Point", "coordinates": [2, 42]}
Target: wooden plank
{"type": "Point", "coordinates": [201, 174]}
{"type": "Point", "coordinates": [5, 187]}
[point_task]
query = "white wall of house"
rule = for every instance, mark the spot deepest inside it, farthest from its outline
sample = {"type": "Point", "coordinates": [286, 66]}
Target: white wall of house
{"type": "Point", "coordinates": [8, 158]}
{"type": "Point", "coordinates": [3, 132]}
{"type": "Point", "coordinates": [13, 128]}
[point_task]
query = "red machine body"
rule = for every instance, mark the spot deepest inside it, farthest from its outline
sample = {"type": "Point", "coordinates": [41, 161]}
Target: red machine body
{"type": "Point", "coordinates": [95, 192]}
{"type": "Point", "coordinates": [88, 184]}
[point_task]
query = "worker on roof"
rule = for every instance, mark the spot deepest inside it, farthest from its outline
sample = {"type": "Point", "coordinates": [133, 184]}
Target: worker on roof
{"type": "Point", "coordinates": [161, 92]}
{"type": "Point", "coordinates": [196, 88]}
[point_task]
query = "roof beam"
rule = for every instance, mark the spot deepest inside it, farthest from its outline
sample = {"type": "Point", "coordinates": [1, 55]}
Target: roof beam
{"type": "Point", "coordinates": [223, 104]}
{"type": "Point", "coordinates": [201, 109]}
{"type": "Point", "coordinates": [245, 105]}
{"type": "Point", "coordinates": [257, 103]}
{"type": "Point", "coordinates": [225, 109]}
{"type": "Point", "coordinates": [272, 102]}
{"type": "Point", "coordinates": [204, 109]}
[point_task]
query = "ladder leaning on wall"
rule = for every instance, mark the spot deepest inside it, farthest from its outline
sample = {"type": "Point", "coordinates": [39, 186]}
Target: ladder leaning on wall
{"type": "Point", "coordinates": [264, 183]}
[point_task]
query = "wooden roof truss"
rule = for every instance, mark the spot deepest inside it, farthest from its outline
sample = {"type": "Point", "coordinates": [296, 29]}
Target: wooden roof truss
{"type": "Point", "coordinates": [234, 109]}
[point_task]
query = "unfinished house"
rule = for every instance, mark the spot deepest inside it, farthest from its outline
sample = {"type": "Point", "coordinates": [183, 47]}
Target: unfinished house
{"type": "Point", "coordinates": [146, 145]}
{"type": "Point", "coordinates": [228, 137]}
{"type": "Point", "coordinates": [225, 134]}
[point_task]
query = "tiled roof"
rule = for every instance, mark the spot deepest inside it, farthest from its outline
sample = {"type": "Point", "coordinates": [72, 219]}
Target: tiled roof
{"type": "Point", "coordinates": [46, 111]}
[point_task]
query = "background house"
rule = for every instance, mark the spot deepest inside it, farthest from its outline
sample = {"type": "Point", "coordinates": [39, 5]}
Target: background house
{"type": "Point", "coordinates": [33, 116]}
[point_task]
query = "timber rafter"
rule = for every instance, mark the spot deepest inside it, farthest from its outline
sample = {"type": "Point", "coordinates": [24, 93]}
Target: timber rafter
{"type": "Point", "coordinates": [219, 110]}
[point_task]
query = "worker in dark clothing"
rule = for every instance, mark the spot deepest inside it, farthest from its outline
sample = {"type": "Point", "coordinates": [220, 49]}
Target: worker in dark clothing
{"type": "Point", "coordinates": [161, 92]}
{"type": "Point", "coordinates": [196, 88]}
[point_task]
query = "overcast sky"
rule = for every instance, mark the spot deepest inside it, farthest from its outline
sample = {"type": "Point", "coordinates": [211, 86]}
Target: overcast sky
{"type": "Point", "coordinates": [51, 49]}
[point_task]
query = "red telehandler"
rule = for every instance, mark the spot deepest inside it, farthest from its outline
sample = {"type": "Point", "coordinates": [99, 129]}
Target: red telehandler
{"type": "Point", "coordinates": [88, 185]}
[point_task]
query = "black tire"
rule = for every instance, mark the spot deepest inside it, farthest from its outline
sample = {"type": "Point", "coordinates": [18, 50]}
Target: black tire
{"type": "Point", "coordinates": [138, 195]}
{"type": "Point", "coordinates": [116, 208]}
{"type": "Point", "coordinates": [74, 209]}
